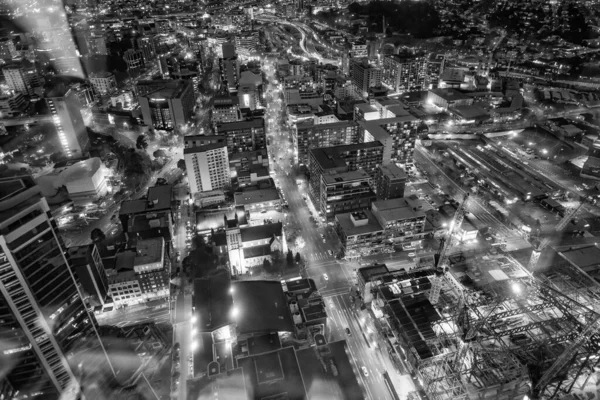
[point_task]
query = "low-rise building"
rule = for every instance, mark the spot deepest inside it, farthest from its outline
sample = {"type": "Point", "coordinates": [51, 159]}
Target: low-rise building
{"type": "Point", "coordinates": [360, 233]}
{"type": "Point", "coordinates": [446, 98]}
{"type": "Point", "coordinates": [258, 200]}
{"type": "Point", "coordinates": [13, 105]}
{"type": "Point", "coordinates": [90, 272]}
{"type": "Point", "coordinates": [226, 109]}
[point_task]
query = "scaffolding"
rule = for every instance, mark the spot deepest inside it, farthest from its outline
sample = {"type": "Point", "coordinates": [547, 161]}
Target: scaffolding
{"type": "Point", "coordinates": [497, 338]}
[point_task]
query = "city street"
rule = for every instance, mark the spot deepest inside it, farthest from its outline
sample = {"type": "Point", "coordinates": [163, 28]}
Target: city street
{"type": "Point", "coordinates": [333, 277]}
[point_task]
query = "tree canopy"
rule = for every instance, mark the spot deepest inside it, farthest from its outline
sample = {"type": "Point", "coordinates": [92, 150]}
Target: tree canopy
{"type": "Point", "coordinates": [97, 235]}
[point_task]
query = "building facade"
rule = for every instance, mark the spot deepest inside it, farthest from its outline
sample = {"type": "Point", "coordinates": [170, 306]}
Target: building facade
{"type": "Point", "coordinates": [41, 303]}
{"type": "Point", "coordinates": [390, 181]}
{"type": "Point", "coordinates": [166, 104]}
{"type": "Point", "coordinates": [345, 192]}
{"type": "Point", "coordinates": [104, 82]}
{"type": "Point", "coordinates": [308, 135]}
{"type": "Point", "coordinates": [207, 167]}
{"type": "Point", "coordinates": [404, 73]}
{"type": "Point", "coordinates": [65, 108]}
{"type": "Point", "coordinates": [243, 136]}
{"type": "Point", "coordinates": [364, 76]}
{"type": "Point", "coordinates": [338, 159]}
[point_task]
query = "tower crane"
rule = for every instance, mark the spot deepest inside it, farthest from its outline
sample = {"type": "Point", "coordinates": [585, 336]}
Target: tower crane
{"type": "Point", "coordinates": [442, 254]}
{"type": "Point", "coordinates": [537, 252]}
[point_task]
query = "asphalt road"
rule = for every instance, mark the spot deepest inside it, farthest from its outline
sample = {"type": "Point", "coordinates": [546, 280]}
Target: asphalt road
{"type": "Point", "coordinates": [333, 277]}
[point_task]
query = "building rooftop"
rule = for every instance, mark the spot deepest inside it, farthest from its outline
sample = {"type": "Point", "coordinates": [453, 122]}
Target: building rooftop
{"type": "Point", "coordinates": [273, 375]}
{"type": "Point", "coordinates": [239, 125]}
{"type": "Point", "coordinates": [149, 251]}
{"type": "Point", "coordinates": [341, 177]}
{"type": "Point", "coordinates": [161, 89]}
{"type": "Point", "coordinates": [332, 157]}
{"type": "Point", "coordinates": [257, 232]}
{"type": "Point", "coordinates": [261, 306]}
{"type": "Point", "coordinates": [350, 228]}
{"type": "Point", "coordinates": [213, 301]}
{"type": "Point", "coordinates": [396, 210]}
{"type": "Point", "coordinates": [365, 108]}
{"type": "Point", "coordinates": [393, 172]}
{"type": "Point", "coordinates": [255, 196]}
{"type": "Point", "coordinates": [124, 261]}
{"type": "Point", "coordinates": [585, 258]}
{"type": "Point", "coordinates": [372, 271]}
{"type": "Point", "coordinates": [102, 74]}
{"type": "Point", "coordinates": [204, 148]}
{"type": "Point", "coordinates": [449, 94]}
{"type": "Point", "coordinates": [257, 251]}
{"type": "Point", "coordinates": [310, 124]}
{"type": "Point", "coordinates": [159, 198]}
{"type": "Point", "coordinates": [79, 254]}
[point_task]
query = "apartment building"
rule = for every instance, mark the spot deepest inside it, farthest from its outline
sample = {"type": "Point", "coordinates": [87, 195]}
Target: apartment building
{"type": "Point", "coordinates": [308, 135]}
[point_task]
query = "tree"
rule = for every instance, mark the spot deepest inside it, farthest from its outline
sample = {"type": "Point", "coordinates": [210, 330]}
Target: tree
{"type": "Point", "coordinates": [97, 235]}
{"type": "Point", "coordinates": [290, 258]}
{"type": "Point", "coordinates": [181, 165]}
{"type": "Point", "coordinates": [298, 258]}
{"type": "Point", "coordinates": [268, 266]}
{"type": "Point", "coordinates": [142, 142]}
{"type": "Point", "coordinates": [159, 154]}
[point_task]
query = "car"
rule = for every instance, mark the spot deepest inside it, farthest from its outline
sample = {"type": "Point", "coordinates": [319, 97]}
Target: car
{"type": "Point", "coordinates": [412, 254]}
{"type": "Point", "coordinates": [330, 253]}
{"type": "Point", "coordinates": [177, 346]}
{"type": "Point", "coordinates": [488, 238]}
{"type": "Point", "coordinates": [348, 332]}
{"type": "Point", "coordinates": [322, 235]}
{"type": "Point", "coordinates": [325, 277]}
{"type": "Point", "coordinates": [365, 371]}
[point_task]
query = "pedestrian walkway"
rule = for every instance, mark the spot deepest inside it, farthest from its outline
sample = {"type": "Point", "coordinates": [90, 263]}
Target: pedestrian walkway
{"type": "Point", "coordinates": [319, 256]}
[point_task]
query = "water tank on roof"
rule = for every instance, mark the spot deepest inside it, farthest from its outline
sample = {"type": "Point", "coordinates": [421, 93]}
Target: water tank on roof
{"type": "Point", "coordinates": [297, 318]}
{"type": "Point", "coordinates": [294, 306]}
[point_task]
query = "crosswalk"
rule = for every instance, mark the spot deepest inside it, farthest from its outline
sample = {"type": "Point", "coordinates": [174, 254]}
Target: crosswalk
{"type": "Point", "coordinates": [319, 256]}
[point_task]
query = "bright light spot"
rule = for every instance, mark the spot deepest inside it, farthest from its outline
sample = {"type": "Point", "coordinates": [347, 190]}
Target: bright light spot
{"type": "Point", "coordinates": [191, 202]}
{"type": "Point", "coordinates": [544, 151]}
{"type": "Point", "coordinates": [516, 288]}
{"type": "Point", "coordinates": [194, 345]}
{"type": "Point", "coordinates": [231, 290]}
{"type": "Point", "coordinates": [194, 331]}
{"type": "Point", "coordinates": [235, 312]}
{"type": "Point", "coordinates": [194, 319]}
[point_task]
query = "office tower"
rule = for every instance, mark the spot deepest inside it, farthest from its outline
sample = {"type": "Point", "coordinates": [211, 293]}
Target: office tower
{"type": "Point", "coordinates": [65, 108]}
{"type": "Point", "coordinates": [134, 60]}
{"type": "Point", "coordinates": [246, 42]}
{"type": "Point", "coordinates": [364, 76]}
{"type": "Point", "coordinates": [390, 181]}
{"type": "Point", "coordinates": [358, 49]}
{"type": "Point", "coordinates": [147, 47]}
{"type": "Point", "coordinates": [12, 105]}
{"type": "Point", "coordinates": [404, 73]}
{"type": "Point", "coordinates": [21, 79]}
{"type": "Point", "coordinates": [338, 159]}
{"type": "Point", "coordinates": [103, 82]}
{"type": "Point", "coordinates": [7, 48]}
{"type": "Point", "coordinates": [44, 320]}
{"type": "Point", "coordinates": [207, 167]}
{"type": "Point", "coordinates": [166, 104]}
{"type": "Point", "coordinates": [230, 67]}
{"type": "Point", "coordinates": [308, 135]}
{"type": "Point", "coordinates": [435, 67]}
{"type": "Point", "coordinates": [244, 135]}
{"type": "Point", "coordinates": [89, 271]}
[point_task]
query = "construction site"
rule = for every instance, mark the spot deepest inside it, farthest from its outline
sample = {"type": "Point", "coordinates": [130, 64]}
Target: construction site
{"type": "Point", "coordinates": [488, 327]}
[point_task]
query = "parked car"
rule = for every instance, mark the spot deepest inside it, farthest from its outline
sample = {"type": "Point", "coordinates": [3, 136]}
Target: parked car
{"type": "Point", "coordinates": [348, 332]}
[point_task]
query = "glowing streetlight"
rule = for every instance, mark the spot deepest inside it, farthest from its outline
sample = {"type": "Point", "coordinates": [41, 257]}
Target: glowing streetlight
{"type": "Point", "coordinates": [516, 288]}
{"type": "Point", "coordinates": [194, 345]}
{"type": "Point", "coordinates": [235, 312]}
{"type": "Point", "coordinates": [194, 319]}
{"type": "Point", "coordinates": [544, 151]}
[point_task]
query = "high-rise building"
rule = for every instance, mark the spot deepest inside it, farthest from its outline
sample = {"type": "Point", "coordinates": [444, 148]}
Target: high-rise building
{"type": "Point", "coordinates": [21, 79]}
{"type": "Point", "coordinates": [345, 192]}
{"type": "Point", "coordinates": [103, 82]}
{"type": "Point", "coordinates": [230, 67]}
{"type": "Point", "coordinates": [364, 76]}
{"type": "Point", "coordinates": [44, 321]}
{"type": "Point", "coordinates": [338, 159]}
{"type": "Point", "coordinates": [246, 42]}
{"type": "Point", "coordinates": [12, 105]}
{"type": "Point", "coordinates": [207, 167]}
{"type": "Point", "coordinates": [390, 181]}
{"type": "Point", "coordinates": [89, 271]}
{"type": "Point", "coordinates": [244, 135]}
{"type": "Point", "coordinates": [308, 135]}
{"type": "Point", "coordinates": [435, 67]}
{"type": "Point", "coordinates": [397, 135]}
{"type": "Point", "coordinates": [147, 47]}
{"type": "Point", "coordinates": [404, 73]}
{"type": "Point", "coordinates": [134, 59]}
{"type": "Point", "coordinates": [166, 104]}
{"type": "Point", "coordinates": [8, 49]}
{"type": "Point", "coordinates": [65, 108]}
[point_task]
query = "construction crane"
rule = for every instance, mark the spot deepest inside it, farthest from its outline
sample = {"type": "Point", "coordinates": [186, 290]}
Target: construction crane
{"type": "Point", "coordinates": [445, 245]}
{"type": "Point", "coordinates": [566, 357]}
{"type": "Point", "coordinates": [537, 252]}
